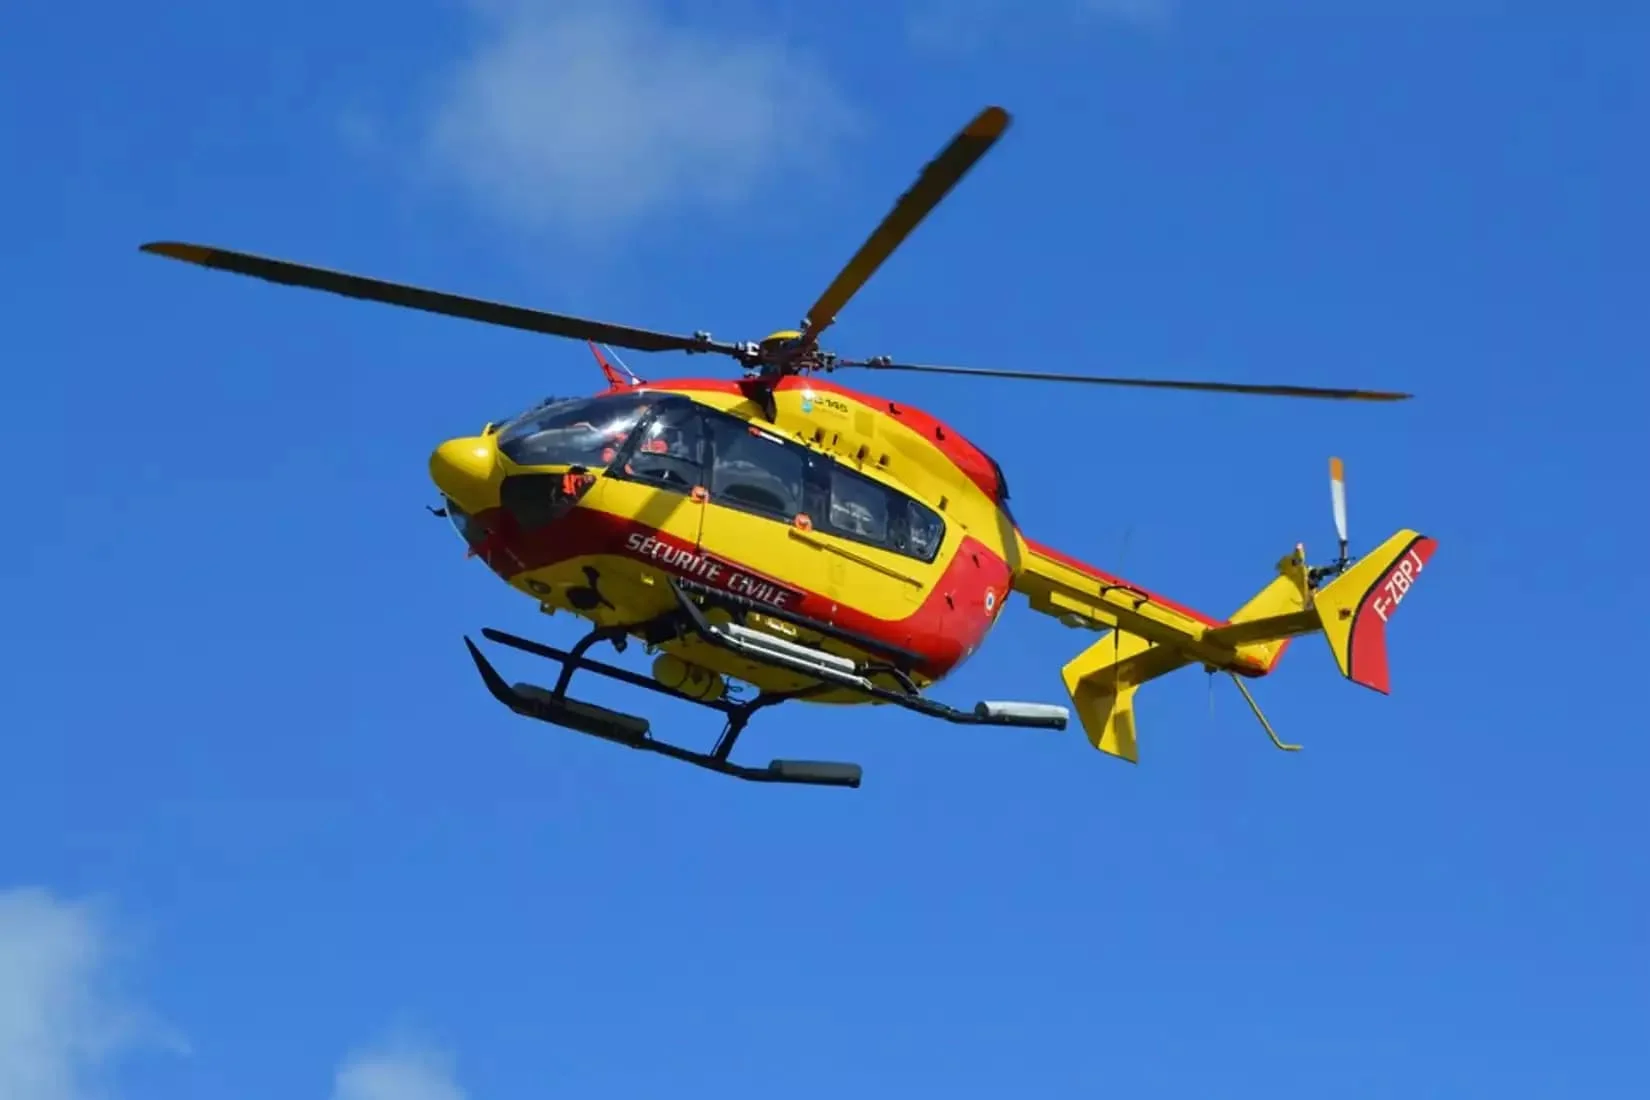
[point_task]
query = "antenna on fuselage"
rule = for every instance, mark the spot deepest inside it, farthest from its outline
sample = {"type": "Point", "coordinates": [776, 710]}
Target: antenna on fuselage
{"type": "Point", "coordinates": [613, 378]}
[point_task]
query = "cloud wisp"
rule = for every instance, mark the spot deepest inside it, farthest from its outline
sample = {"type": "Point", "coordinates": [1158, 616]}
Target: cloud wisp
{"type": "Point", "coordinates": [584, 116]}
{"type": "Point", "coordinates": [63, 1026]}
{"type": "Point", "coordinates": [66, 1028]}
{"type": "Point", "coordinates": [397, 1071]}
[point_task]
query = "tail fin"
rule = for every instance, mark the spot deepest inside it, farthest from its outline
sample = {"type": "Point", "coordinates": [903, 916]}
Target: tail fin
{"type": "Point", "coordinates": [1352, 611]}
{"type": "Point", "coordinates": [1355, 607]}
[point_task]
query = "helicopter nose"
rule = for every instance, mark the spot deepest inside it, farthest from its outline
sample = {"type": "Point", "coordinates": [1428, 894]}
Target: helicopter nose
{"type": "Point", "coordinates": [466, 471]}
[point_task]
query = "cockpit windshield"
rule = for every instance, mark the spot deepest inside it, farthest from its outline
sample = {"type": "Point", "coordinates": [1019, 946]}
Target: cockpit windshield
{"type": "Point", "coordinates": [586, 431]}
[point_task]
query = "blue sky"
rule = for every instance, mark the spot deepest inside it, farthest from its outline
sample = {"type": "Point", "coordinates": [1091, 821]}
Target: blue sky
{"type": "Point", "coordinates": [264, 834]}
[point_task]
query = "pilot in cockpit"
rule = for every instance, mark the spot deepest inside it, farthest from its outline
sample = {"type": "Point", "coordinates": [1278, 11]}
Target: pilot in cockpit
{"type": "Point", "coordinates": [667, 453]}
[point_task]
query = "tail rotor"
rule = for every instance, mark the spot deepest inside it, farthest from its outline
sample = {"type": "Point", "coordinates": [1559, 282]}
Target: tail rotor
{"type": "Point", "coordinates": [1319, 574]}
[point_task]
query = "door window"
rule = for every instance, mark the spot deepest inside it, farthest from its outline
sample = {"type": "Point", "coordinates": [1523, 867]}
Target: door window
{"type": "Point", "coordinates": [755, 471]}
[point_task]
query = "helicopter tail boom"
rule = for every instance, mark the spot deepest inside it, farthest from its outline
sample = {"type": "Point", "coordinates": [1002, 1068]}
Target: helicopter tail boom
{"type": "Point", "coordinates": [1148, 637]}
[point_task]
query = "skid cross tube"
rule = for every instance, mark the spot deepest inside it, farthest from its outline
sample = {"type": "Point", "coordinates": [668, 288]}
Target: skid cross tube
{"type": "Point", "coordinates": [554, 707]}
{"type": "Point", "coordinates": [687, 620]}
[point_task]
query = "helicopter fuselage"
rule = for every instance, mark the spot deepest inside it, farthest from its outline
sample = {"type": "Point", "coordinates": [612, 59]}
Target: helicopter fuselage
{"type": "Point", "coordinates": [849, 523]}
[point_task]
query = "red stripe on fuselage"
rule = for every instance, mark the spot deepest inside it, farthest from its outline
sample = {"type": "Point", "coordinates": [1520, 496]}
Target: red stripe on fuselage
{"type": "Point", "coordinates": [947, 626]}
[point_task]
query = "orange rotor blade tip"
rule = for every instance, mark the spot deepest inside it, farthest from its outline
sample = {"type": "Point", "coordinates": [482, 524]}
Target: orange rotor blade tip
{"type": "Point", "coordinates": [989, 123]}
{"type": "Point", "coordinates": [191, 253]}
{"type": "Point", "coordinates": [1337, 471]}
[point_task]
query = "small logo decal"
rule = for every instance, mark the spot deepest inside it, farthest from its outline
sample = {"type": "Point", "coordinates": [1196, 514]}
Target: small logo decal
{"type": "Point", "coordinates": [990, 600]}
{"type": "Point", "coordinates": [825, 403]}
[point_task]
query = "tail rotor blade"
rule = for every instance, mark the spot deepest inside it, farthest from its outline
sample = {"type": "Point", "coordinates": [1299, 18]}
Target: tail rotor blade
{"type": "Point", "coordinates": [1337, 496]}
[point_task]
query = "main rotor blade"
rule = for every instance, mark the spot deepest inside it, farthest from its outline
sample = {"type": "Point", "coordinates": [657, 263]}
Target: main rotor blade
{"type": "Point", "coordinates": [1148, 383]}
{"type": "Point", "coordinates": [938, 177]}
{"type": "Point", "coordinates": [431, 301]}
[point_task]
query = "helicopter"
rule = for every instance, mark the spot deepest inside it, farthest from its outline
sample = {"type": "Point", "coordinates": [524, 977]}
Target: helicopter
{"type": "Point", "coordinates": [776, 537]}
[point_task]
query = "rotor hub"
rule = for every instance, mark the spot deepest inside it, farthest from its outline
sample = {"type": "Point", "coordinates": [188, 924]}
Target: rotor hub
{"type": "Point", "coordinates": [788, 351]}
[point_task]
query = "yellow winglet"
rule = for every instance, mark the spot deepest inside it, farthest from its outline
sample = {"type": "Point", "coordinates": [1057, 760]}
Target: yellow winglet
{"type": "Point", "coordinates": [1102, 680]}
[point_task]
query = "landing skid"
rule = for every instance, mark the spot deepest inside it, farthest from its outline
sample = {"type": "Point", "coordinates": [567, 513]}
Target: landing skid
{"type": "Point", "coordinates": [829, 670]}
{"type": "Point", "coordinates": [634, 732]}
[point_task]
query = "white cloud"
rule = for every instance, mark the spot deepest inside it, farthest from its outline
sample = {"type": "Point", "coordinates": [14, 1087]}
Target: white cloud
{"type": "Point", "coordinates": [581, 115]}
{"type": "Point", "coordinates": [400, 1071]}
{"type": "Point", "coordinates": [62, 1025]}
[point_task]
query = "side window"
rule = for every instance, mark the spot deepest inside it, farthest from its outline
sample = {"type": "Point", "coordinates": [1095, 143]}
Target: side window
{"type": "Point", "coordinates": [669, 451]}
{"type": "Point", "coordinates": [924, 531]}
{"type": "Point", "coordinates": [859, 506]}
{"type": "Point", "coordinates": [874, 513]}
{"type": "Point", "coordinates": [756, 471]}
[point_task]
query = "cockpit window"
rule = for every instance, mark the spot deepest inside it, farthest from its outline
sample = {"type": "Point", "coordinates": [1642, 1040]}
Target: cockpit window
{"type": "Point", "coordinates": [669, 450]}
{"type": "Point", "coordinates": [583, 431]}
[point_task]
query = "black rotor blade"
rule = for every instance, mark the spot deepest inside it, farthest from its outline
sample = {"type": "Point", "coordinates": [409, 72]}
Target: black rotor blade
{"type": "Point", "coordinates": [431, 301]}
{"type": "Point", "coordinates": [938, 177]}
{"type": "Point", "coordinates": [1148, 383]}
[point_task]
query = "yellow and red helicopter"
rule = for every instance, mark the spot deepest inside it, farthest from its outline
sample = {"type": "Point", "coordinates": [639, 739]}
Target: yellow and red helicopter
{"type": "Point", "coordinates": [777, 537]}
